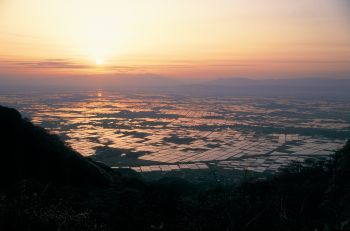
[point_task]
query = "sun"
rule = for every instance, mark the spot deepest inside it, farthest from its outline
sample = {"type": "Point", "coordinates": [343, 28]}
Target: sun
{"type": "Point", "coordinates": [99, 62]}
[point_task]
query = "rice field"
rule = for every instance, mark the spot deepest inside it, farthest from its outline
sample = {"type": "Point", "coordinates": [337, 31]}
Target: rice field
{"type": "Point", "coordinates": [160, 133]}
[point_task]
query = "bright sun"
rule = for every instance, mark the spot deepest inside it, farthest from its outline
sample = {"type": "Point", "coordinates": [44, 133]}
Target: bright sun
{"type": "Point", "coordinates": [99, 62]}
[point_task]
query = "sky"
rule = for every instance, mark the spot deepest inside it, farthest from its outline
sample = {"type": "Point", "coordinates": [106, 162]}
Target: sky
{"type": "Point", "coordinates": [197, 39]}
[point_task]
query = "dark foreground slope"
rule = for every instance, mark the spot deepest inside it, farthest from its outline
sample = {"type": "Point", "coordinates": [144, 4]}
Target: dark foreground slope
{"type": "Point", "coordinates": [47, 186]}
{"type": "Point", "coordinates": [29, 152]}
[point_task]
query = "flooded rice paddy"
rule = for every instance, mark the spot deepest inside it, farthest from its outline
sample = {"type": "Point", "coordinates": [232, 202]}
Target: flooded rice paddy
{"type": "Point", "coordinates": [164, 132]}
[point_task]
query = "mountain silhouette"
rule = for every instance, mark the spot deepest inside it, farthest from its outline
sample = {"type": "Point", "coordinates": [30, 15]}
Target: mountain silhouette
{"type": "Point", "coordinates": [30, 152]}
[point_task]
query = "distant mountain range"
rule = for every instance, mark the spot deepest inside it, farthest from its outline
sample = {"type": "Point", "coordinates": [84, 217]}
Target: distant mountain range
{"type": "Point", "coordinates": [306, 87]}
{"type": "Point", "coordinates": [301, 87]}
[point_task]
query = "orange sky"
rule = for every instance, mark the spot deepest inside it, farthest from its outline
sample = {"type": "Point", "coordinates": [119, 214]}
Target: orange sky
{"type": "Point", "coordinates": [182, 39]}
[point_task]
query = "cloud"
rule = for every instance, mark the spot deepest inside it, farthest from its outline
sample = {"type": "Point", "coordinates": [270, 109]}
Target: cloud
{"type": "Point", "coordinates": [48, 63]}
{"type": "Point", "coordinates": [66, 64]}
{"type": "Point", "coordinates": [307, 61]}
{"type": "Point", "coordinates": [152, 67]}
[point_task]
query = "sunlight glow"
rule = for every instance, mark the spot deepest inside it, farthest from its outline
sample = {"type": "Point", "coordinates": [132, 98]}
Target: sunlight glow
{"type": "Point", "coordinates": [182, 39]}
{"type": "Point", "coordinates": [99, 62]}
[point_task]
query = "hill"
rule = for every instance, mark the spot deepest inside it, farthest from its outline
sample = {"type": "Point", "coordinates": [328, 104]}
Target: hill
{"type": "Point", "coordinates": [30, 152]}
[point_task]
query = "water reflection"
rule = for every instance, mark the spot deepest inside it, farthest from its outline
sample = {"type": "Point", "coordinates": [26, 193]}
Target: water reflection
{"type": "Point", "coordinates": [259, 134]}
